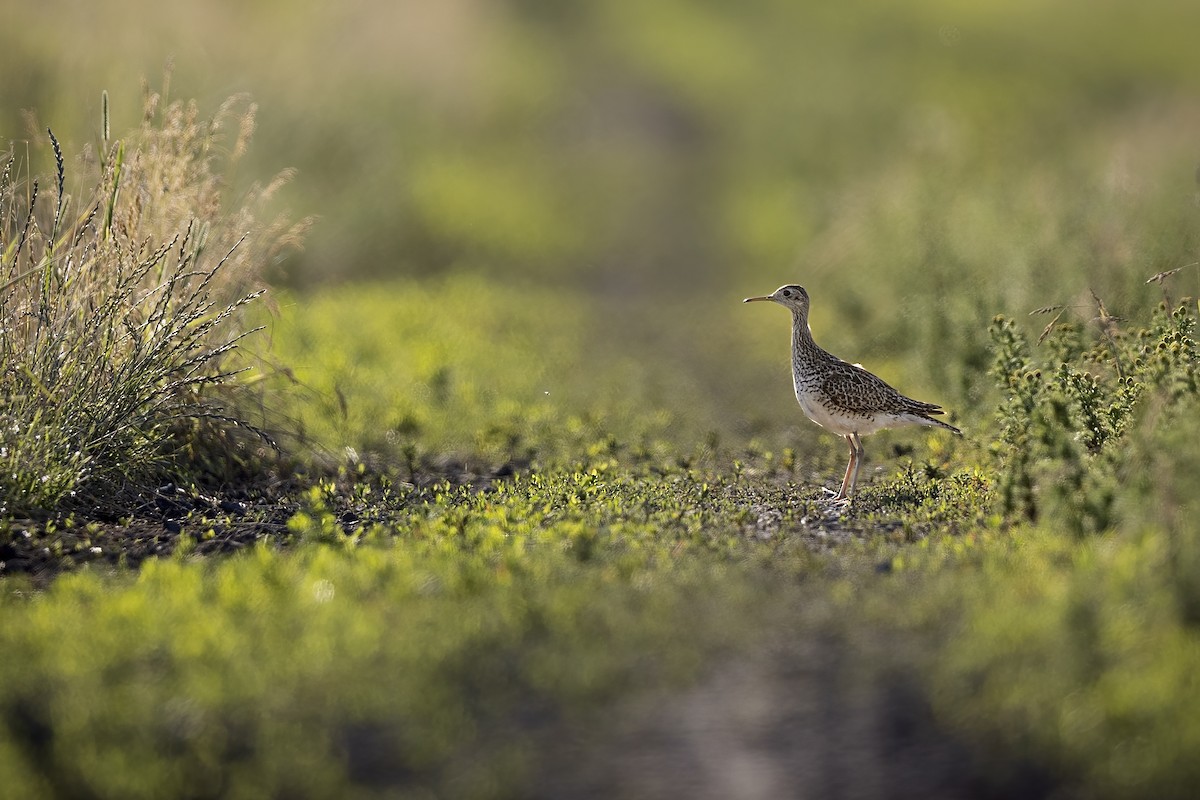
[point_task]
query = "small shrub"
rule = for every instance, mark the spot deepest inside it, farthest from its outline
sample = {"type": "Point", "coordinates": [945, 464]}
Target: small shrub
{"type": "Point", "coordinates": [1063, 426]}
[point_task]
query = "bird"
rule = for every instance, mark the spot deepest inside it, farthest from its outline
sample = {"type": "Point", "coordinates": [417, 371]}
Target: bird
{"type": "Point", "coordinates": [842, 397]}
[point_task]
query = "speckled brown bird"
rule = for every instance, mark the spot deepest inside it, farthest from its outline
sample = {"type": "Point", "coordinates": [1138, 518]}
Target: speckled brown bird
{"type": "Point", "coordinates": [843, 397]}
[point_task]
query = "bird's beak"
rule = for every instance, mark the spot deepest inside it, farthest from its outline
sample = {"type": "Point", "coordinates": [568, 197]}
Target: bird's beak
{"type": "Point", "coordinates": [754, 299]}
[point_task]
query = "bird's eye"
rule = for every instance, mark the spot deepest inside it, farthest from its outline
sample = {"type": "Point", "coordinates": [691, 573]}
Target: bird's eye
{"type": "Point", "coordinates": [787, 293]}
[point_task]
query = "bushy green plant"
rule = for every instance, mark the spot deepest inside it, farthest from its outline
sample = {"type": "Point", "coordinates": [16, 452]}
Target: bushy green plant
{"type": "Point", "coordinates": [1068, 410]}
{"type": "Point", "coordinates": [122, 303]}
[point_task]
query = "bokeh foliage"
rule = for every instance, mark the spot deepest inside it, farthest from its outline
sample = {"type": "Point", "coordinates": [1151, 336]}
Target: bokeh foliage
{"type": "Point", "coordinates": [887, 158]}
{"type": "Point", "coordinates": [608, 140]}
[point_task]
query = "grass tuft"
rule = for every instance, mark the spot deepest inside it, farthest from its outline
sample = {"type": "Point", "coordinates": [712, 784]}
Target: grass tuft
{"type": "Point", "coordinates": [121, 320]}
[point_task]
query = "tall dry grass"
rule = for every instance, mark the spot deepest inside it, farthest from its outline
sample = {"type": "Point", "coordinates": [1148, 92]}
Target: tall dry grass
{"type": "Point", "coordinates": [123, 303]}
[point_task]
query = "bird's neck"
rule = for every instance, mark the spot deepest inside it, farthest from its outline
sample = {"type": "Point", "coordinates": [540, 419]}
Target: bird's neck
{"type": "Point", "coordinates": [804, 348]}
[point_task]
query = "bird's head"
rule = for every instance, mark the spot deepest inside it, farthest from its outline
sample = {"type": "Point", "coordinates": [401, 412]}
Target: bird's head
{"type": "Point", "coordinates": [792, 297]}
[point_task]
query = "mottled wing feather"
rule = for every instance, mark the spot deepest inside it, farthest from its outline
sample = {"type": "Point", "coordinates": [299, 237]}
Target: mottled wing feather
{"type": "Point", "coordinates": [858, 391]}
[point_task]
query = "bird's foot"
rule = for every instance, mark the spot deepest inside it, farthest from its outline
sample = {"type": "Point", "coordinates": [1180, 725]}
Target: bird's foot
{"type": "Point", "coordinates": [834, 499]}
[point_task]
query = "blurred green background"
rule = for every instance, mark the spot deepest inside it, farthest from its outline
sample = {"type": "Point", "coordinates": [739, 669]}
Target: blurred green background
{"type": "Point", "coordinates": [920, 167]}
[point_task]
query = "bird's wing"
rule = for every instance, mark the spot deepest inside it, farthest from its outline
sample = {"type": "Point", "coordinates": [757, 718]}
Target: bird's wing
{"type": "Point", "coordinates": [857, 390]}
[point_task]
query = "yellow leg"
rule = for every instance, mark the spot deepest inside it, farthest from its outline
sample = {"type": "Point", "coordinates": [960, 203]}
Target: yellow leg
{"type": "Point", "coordinates": [851, 476]}
{"type": "Point", "coordinates": [857, 450]}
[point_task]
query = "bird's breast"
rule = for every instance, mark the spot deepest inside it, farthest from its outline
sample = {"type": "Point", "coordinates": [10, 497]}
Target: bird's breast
{"type": "Point", "coordinates": [818, 408]}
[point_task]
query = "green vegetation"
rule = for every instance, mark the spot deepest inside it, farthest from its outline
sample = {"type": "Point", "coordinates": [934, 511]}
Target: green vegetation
{"type": "Point", "coordinates": [543, 519]}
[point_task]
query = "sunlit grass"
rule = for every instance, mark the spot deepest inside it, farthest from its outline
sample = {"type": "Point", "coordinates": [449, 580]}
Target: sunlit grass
{"type": "Point", "coordinates": [472, 367]}
{"type": "Point", "coordinates": [122, 303]}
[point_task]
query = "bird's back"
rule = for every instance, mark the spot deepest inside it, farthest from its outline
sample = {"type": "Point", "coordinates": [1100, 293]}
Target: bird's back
{"type": "Point", "coordinates": [846, 398]}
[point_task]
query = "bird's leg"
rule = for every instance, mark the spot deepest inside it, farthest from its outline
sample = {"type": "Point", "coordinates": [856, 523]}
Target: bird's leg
{"type": "Point", "coordinates": [851, 472]}
{"type": "Point", "coordinates": [857, 451]}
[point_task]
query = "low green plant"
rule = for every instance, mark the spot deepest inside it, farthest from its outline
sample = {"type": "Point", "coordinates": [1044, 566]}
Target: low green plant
{"type": "Point", "coordinates": [471, 370]}
{"type": "Point", "coordinates": [1070, 658]}
{"type": "Point", "coordinates": [122, 303]}
{"type": "Point", "coordinates": [434, 647]}
{"type": "Point", "coordinates": [1064, 424]}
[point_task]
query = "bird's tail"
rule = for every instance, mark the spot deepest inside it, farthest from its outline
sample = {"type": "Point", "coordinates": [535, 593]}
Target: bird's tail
{"type": "Point", "coordinates": [937, 423]}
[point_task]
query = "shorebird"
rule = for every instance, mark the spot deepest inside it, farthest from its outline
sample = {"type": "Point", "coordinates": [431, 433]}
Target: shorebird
{"type": "Point", "coordinates": [843, 397]}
